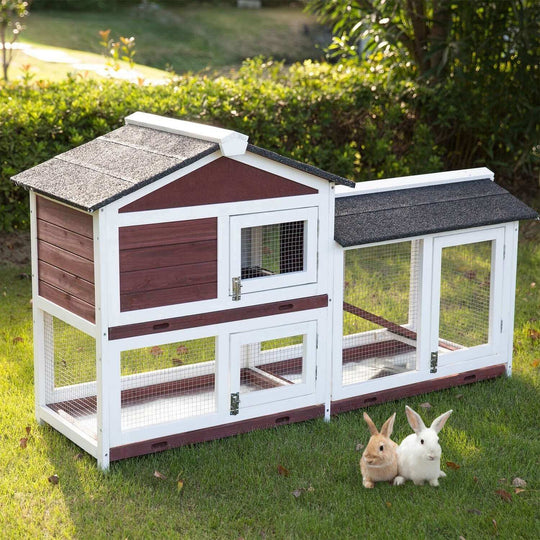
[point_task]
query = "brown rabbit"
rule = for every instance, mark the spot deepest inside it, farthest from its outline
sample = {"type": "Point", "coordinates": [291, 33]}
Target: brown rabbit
{"type": "Point", "coordinates": [379, 460]}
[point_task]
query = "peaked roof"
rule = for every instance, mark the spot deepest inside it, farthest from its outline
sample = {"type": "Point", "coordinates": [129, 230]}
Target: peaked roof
{"type": "Point", "coordinates": [377, 217]}
{"type": "Point", "coordinates": [147, 148]}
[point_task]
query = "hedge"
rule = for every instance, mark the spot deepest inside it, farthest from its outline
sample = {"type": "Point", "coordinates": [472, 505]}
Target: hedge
{"type": "Point", "coordinates": [341, 118]}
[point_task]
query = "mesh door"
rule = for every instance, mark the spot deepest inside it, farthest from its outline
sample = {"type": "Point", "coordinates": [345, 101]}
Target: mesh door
{"type": "Point", "coordinates": [465, 296]}
{"type": "Point", "coordinates": [380, 311]}
{"type": "Point", "coordinates": [272, 364]}
{"type": "Point", "coordinates": [168, 382]}
{"type": "Point", "coordinates": [269, 250]}
{"type": "Point", "coordinates": [70, 374]}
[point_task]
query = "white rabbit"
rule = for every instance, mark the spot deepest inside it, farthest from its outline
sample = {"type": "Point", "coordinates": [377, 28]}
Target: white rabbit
{"type": "Point", "coordinates": [419, 454]}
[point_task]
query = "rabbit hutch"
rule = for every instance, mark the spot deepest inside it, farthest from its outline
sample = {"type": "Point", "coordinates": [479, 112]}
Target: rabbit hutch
{"type": "Point", "coordinates": [188, 286]}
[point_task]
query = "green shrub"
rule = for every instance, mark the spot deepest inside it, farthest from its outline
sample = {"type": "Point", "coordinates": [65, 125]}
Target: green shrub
{"type": "Point", "coordinates": [340, 118]}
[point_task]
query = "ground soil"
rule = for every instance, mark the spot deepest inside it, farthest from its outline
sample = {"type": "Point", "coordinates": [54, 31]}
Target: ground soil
{"type": "Point", "coordinates": [15, 248]}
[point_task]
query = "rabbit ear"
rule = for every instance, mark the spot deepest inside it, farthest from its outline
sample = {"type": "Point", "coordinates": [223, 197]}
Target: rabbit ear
{"type": "Point", "coordinates": [414, 419]}
{"type": "Point", "coordinates": [372, 427]}
{"type": "Point", "coordinates": [439, 422]}
{"type": "Point", "coordinates": [388, 426]}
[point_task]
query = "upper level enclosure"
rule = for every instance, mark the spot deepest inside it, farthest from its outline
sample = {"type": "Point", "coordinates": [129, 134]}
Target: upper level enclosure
{"type": "Point", "coordinates": [188, 286]}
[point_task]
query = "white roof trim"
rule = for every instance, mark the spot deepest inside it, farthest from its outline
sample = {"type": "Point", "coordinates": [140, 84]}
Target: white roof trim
{"type": "Point", "coordinates": [230, 142]}
{"type": "Point", "coordinates": [419, 180]}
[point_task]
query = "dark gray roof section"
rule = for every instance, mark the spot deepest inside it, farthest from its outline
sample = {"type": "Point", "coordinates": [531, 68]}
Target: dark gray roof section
{"type": "Point", "coordinates": [300, 166]}
{"type": "Point", "coordinates": [376, 217]}
{"type": "Point", "coordinates": [109, 167]}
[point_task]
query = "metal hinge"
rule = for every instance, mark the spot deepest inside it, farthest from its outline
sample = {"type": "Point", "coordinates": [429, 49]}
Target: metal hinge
{"type": "Point", "coordinates": [501, 326]}
{"type": "Point", "coordinates": [235, 403]}
{"type": "Point", "coordinates": [504, 251]}
{"type": "Point", "coordinates": [434, 362]}
{"type": "Point", "coordinates": [236, 288]}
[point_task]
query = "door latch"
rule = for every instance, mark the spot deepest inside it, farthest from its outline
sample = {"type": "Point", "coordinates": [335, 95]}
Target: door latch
{"type": "Point", "coordinates": [236, 288]}
{"type": "Point", "coordinates": [434, 362]}
{"type": "Point", "coordinates": [235, 403]}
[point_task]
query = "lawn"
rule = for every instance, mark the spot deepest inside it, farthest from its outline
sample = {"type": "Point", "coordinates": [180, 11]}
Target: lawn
{"type": "Point", "coordinates": [296, 481]}
{"type": "Point", "coordinates": [190, 38]}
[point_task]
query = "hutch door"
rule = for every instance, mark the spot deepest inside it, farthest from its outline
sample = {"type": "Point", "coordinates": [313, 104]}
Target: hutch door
{"type": "Point", "coordinates": [467, 296]}
{"type": "Point", "coordinates": [273, 364]}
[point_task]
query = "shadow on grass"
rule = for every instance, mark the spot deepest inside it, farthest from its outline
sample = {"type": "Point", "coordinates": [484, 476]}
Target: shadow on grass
{"type": "Point", "coordinates": [232, 487]}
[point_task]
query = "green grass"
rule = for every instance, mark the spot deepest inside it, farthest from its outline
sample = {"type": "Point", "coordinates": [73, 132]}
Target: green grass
{"type": "Point", "coordinates": [185, 38]}
{"type": "Point", "coordinates": [232, 487]}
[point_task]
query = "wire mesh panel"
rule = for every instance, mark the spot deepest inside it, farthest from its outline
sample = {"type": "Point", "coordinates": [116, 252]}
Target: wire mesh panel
{"type": "Point", "coordinates": [163, 383]}
{"type": "Point", "coordinates": [380, 311]}
{"type": "Point", "coordinates": [465, 296]}
{"type": "Point", "coordinates": [269, 250]}
{"type": "Point", "coordinates": [272, 364]}
{"type": "Point", "coordinates": [70, 374]}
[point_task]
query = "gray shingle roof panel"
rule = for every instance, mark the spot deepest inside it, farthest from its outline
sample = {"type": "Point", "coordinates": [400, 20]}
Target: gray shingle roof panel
{"type": "Point", "coordinates": [300, 166]}
{"type": "Point", "coordinates": [124, 160]}
{"type": "Point", "coordinates": [96, 173]}
{"type": "Point", "coordinates": [378, 217]}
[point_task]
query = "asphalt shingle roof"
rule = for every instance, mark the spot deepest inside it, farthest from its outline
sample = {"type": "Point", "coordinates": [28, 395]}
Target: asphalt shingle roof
{"type": "Point", "coordinates": [377, 217]}
{"type": "Point", "coordinates": [109, 167]}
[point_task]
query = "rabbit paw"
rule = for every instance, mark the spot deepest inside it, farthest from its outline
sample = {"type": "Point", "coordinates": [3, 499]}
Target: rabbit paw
{"type": "Point", "coordinates": [368, 483]}
{"type": "Point", "coordinates": [442, 474]}
{"type": "Point", "coordinates": [399, 481]}
{"type": "Point", "coordinates": [435, 482]}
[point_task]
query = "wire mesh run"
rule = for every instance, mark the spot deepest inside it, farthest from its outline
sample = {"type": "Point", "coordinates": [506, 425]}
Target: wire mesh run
{"type": "Point", "coordinates": [70, 374]}
{"type": "Point", "coordinates": [465, 296]}
{"type": "Point", "coordinates": [272, 363]}
{"type": "Point", "coordinates": [380, 311]}
{"type": "Point", "coordinates": [164, 383]}
{"type": "Point", "coordinates": [269, 250]}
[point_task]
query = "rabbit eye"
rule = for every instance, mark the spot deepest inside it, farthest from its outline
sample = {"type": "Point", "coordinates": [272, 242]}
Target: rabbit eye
{"type": "Point", "coordinates": [421, 441]}
{"type": "Point", "coordinates": [381, 448]}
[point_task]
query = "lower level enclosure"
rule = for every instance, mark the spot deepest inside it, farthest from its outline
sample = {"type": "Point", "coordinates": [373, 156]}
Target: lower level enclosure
{"type": "Point", "coordinates": [408, 317]}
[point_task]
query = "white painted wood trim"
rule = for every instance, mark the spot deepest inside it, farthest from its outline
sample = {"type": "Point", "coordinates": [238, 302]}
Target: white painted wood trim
{"type": "Point", "coordinates": [73, 433]}
{"type": "Point", "coordinates": [67, 316]}
{"type": "Point", "coordinates": [418, 180]}
{"type": "Point", "coordinates": [509, 291]}
{"type": "Point", "coordinates": [38, 317]}
{"type": "Point", "coordinates": [230, 142]}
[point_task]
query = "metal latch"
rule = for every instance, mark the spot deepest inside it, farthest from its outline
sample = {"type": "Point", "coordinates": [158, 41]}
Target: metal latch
{"type": "Point", "coordinates": [236, 288]}
{"type": "Point", "coordinates": [434, 362]}
{"type": "Point", "coordinates": [235, 403]}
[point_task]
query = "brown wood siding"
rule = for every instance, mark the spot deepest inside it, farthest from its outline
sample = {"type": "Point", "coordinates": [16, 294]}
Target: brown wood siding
{"type": "Point", "coordinates": [223, 180]}
{"type": "Point", "coordinates": [216, 432]}
{"type": "Point", "coordinates": [65, 257]}
{"type": "Point", "coordinates": [432, 385]}
{"type": "Point", "coordinates": [168, 263]}
{"type": "Point", "coordinates": [216, 317]}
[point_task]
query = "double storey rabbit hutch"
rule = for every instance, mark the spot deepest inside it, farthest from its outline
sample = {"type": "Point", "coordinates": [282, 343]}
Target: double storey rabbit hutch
{"type": "Point", "coordinates": [188, 286]}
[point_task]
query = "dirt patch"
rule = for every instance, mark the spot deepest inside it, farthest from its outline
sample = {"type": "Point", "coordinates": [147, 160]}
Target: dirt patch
{"type": "Point", "coordinates": [15, 248]}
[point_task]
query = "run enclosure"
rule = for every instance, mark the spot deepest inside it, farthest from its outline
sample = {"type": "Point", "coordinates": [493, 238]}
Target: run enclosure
{"type": "Point", "coordinates": [189, 286]}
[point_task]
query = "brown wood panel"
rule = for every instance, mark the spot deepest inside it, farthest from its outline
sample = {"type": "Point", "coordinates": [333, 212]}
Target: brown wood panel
{"type": "Point", "coordinates": [67, 240]}
{"type": "Point", "coordinates": [161, 234]}
{"type": "Point", "coordinates": [223, 180]}
{"type": "Point", "coordinates": [167, 297]}
{"type": "Point", "coordinates": [215, 317]}
{"type": "Point", "coordinates": [64, 216]}
{"type": "Point", "coordinates": [66, 260]}
{"type": "Point", "coordinates": [67, 301]}
{"type": "Point", "coordinates": [432, 385]}
{"type": "Point", "coordinates": [162, 256]}
{"type": "Point", "coordinates": [217, 432]}
{"type": "Point", "coordinates": [393, 327]}
{"type": "Point", "coordinates": [168, 277]}
{"type": "Point", "coordinates": [380, 348]}
{"type": "Point", "coordinates": [69, 283]}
